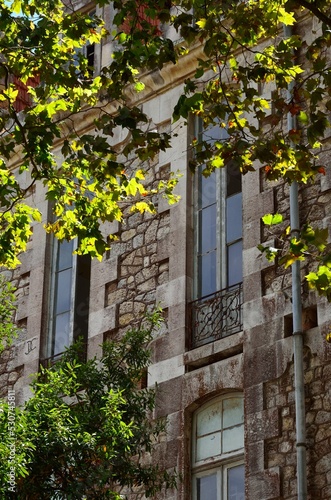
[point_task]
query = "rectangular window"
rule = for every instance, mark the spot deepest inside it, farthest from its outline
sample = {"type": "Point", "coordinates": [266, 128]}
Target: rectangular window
{"type": "Point", "coordinates": [70, 284]}
{"type": "Point", "coordinates": [207, 487]}
{"type": "Point", "coordinates": [225, 483]}
{"type": "Point", "coordinates": [218, 226]}
{"type": "Point", "coordinates": [235, 482]}
{"type": "Point", "coordinates": [216, 312]}
{"type": "Point", "coordinates": [87, 52]}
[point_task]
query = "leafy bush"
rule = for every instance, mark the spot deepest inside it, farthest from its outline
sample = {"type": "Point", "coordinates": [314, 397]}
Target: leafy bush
{"type": "Point", "coordinates": [87, 430]}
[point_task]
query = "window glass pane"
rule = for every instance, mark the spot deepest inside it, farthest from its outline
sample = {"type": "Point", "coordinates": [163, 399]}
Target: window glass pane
{"type": "Point", "coordinates": [233, 412]}
{"type": "Point", "coordinates": [207, 190]}
{"type": "Point", "coordinates": [207, 274]}
{"type": "Point", "coordinates": [63, 291]}
{"type": "Point", "coordinates": [233, 439]}
{"type": "Point", "coordinates": [82, 296]}
{"type": "Point", "coordinates": [208, 446]}
{"type": "Point", "coordinates": [214, 133]}
{"type": "Point", "coordinates": [65, 256]}
{"type": "Point", "coordinates": [236, 483]}
{"type": "Point", "coordinates": [233, 179]}
{"type": "Point", "coordinates": [207, 487]}
{"type": "Point", "coordinates": [61, 332]}
{"type": "Point", "coordinates": [235, 263]}
{"type": "Point", "coordinates": [90, 54]}
{"type": "Point", "coordinates": [207, 229]}
{"type": "Point", "coordinates": [234, 218]}
{"type": "Point", "coordinates": [209, 420]}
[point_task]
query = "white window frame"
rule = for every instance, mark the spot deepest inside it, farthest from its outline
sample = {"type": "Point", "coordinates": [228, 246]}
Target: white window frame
{"type": "Point", "coordinates": [217, 464]}
{"type": "Point", "coordinates": [221, 478]}
{"type": "Point", "coordinates": [53, 290]}
{"type": "Point", "coordinates": [221, 239]}
{"type": "Point", "coordinates": [221, 265]}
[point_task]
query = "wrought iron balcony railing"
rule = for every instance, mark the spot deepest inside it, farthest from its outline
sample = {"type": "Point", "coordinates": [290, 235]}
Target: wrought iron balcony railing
{"type": "Point", "coordinates": [216, 316]}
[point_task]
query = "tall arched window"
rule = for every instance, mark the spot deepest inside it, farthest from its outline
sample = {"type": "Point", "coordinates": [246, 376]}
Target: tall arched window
{"type": "Point", "coordinates": [218, 449]}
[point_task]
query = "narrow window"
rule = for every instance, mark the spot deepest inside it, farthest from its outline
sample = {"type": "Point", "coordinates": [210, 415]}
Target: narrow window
{"type": "Point", "coordinates": [217, 454]}
{"type": "Point", "coordinates": [216, 311]}
{"type": "Point", "coordinates": [87, 52]}
{"type": "Point", "coordinates": [70, 284]}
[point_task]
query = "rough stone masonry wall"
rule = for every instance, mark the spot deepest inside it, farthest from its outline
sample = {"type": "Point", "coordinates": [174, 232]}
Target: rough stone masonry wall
{"type": "Point", "coordinates": [140, 269]}
{"type": "Point", "coordinates": [281, 450]}
{"type": "Point", "coordinates": [315, 206]}
{"type": "Point", "coordinates": [18, 363]}
{"type": "Point", "coordinates": [9, 371]}
{"type": "Point", "coordinates": [269, 391]}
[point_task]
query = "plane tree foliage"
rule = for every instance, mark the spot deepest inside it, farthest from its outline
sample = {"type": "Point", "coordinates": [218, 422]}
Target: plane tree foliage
{"type": "Point", "coordinates": [265, 61]}
{"type": "Point", "coordinates": [256, 66]}
{"type": "Point", "coordinates": [251, 53]}
{"type": "Point", "coordinates": [86, 430]}
{"type": "Point", "coordinates": [42, 49]}
{"type": "Point", "coordinates": [246, 65]}
{"type": "Point", "coordinates": [8, 328]}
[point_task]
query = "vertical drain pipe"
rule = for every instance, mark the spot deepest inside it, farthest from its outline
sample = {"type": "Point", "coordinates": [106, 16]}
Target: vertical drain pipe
{"type": "Point", "coordinates": [299, 389]}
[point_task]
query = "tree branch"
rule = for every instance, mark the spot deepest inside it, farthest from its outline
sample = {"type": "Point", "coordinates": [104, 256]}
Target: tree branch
{"type": "Point", "coordinates": [315, 10]}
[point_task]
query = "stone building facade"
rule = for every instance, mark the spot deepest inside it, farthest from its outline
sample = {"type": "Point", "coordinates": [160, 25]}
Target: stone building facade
{"type": "Point", "coordinates": [228, 395]}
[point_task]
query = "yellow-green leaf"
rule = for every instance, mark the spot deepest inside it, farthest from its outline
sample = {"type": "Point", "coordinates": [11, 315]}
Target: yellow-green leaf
{"type": "Point", "coordinates": [286, 17]}
{"type": "Point", "coordinates": [139, 86]}
{"type": "Point", "coordinates": [272, 219]}
{"type": "Point", "coordinates": [16, 6]}
{"type": "Point", "coordinates": [201, 23]}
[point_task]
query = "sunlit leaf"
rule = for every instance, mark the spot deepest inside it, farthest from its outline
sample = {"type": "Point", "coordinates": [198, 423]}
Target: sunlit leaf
{"type": "Point", "coordinates": [272, 219]}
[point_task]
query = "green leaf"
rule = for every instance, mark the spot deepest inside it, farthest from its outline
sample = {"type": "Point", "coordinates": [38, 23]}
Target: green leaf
{"type": "Point", "coordinates": [16, 6]}
{"type": "Point", "coordinates": [36, 214]}
{"type": "Point", "coordinates": [201, 23]}
{"type": "Point", "coordinates": [303, 117]}
{"type": "Point", "coordinates": [272, 219]}
{"type": "Point", "coordinates": [285, 17]}
{"type": "Point", "coordinates": [139, 86]}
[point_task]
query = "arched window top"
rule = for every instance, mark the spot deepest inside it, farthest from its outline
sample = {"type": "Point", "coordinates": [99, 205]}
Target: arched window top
{"type": "Point", "coordinates": [219, 429]}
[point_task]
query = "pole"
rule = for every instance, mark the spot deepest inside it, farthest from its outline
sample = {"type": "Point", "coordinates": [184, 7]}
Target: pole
{"type": "Point", "coordinates": [299, 386]}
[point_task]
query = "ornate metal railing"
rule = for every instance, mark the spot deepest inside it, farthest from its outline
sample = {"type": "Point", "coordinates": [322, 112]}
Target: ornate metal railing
{"type": "Point", "coordinates": [216, 316]}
